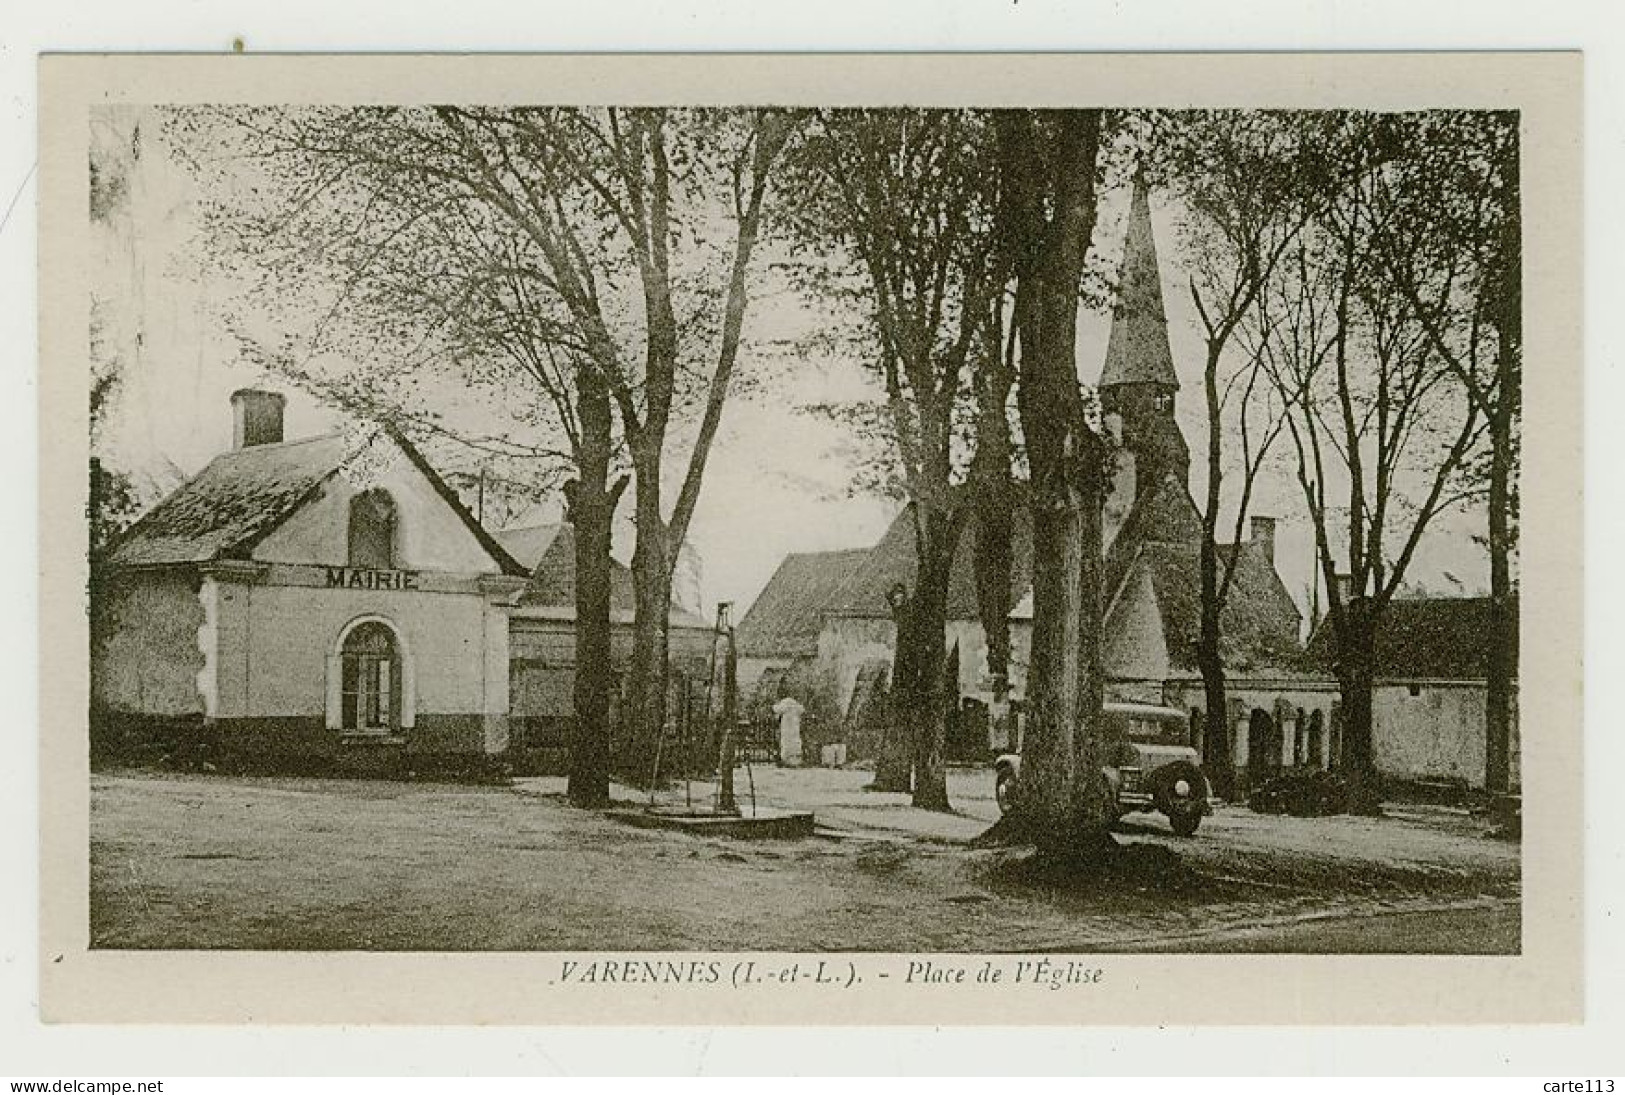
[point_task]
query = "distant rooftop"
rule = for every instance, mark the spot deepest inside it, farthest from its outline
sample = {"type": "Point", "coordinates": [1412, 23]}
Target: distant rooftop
{"type": "Point", "coordinates": [1425, 638]}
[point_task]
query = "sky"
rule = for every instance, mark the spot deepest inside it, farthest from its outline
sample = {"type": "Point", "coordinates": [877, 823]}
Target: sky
{"type": "Point", "coordinates": [779, 479]}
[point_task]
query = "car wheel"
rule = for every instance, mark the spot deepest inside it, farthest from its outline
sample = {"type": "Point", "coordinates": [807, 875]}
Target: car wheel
{"type": "Point", "coordinates": [1182, 795]}
{"type": "Point", "coordinates": [1185, 824]}
{"type": "Point", "coordinates": [1004, 790]}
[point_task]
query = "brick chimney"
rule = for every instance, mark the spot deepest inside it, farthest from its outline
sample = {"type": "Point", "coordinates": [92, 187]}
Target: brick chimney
{"type": "Point", "coordinates": [256, 417]}
{"type": "Point", "coordinates": [1262, 534]}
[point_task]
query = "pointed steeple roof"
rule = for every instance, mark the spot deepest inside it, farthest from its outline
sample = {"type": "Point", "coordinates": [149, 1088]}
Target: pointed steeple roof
{"type": "Point", "coordinates": [1137, 352]}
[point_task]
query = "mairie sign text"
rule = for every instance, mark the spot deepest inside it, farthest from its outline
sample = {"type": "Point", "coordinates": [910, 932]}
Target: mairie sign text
{"type": "Point", "coordinates": [360, 578]}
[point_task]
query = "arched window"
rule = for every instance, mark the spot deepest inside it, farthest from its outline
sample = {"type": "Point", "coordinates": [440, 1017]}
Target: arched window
{"type": "Point", "coordinates": [371, 679]}
{"type": "Point", "coordinates": [1317, 739]}
{"type": "Point", "coordinates": [372, 530]}
{"type": "Point", "coordinates": [1263, 747]}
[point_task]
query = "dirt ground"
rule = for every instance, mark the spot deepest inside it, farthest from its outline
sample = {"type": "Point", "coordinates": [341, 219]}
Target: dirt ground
{"type": "Point", "coordinates": [193, 862]}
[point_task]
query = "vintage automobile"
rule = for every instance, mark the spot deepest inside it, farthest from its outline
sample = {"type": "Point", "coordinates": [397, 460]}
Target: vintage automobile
{"type": "Point", "coordinates": [1152, 766]}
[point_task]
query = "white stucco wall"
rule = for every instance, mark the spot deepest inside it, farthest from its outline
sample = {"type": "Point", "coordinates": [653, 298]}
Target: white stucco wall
{"type": "Point", "coordinates": [751, 671]}
{"type": "Point", "coordinates": [845, 645]}
{"type": "Point", "coordinates": [972, 643]}
{"type": "Point", "coordinates": [274, 642]}
{"type": "Point", "coordinates": [1021, 655]}
{"type": "Point", "coordinates": [1436, 734]}
{"type": "Point", "coordinates": [429, 534]}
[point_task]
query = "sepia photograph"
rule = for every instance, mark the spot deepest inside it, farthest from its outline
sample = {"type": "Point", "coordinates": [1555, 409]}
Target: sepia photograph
{"type": "Point", "coordinates": [650, 531]}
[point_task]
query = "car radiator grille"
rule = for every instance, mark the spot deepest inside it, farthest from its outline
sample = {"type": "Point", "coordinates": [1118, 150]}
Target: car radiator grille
{"type": "Point", "coordinates": [1131, 778]}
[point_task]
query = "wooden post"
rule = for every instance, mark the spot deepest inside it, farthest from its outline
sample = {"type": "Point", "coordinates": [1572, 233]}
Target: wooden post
{"type": "Point", "coordinates": [726, 802]}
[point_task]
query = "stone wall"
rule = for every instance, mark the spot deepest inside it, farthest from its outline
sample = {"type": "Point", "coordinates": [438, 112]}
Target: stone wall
{"type": "Point", "coordinates": [149, 662]}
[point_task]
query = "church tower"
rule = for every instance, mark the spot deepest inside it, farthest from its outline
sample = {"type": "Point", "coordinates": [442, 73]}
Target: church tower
{"type": "Point", "coordinates": [1138, 383]}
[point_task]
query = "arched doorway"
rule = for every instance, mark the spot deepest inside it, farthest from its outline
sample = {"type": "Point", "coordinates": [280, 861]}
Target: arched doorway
{"type": "Point", "coordinates": [370, 680]}
{"type": "Point", "coordinates": [1263, 747]}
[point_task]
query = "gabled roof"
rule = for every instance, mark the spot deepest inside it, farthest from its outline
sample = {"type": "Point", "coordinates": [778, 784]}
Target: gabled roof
{"type": "Point", "coordinates": [508, 563]}
{"type": "Point", "coordinates": [1425, 638]}
{"type": "Point", "coordinates": [894, 560]}
{"type": "Point", "coordinates": [1162, 536]}
{"type": "Point", "coordinates": [237, 500]}
{"type": "Point", "coordinates": [244, 495]}
{"type": "Point", "coordinates": [530, 543]}
{"type": "Point", "coordinates": [1137, 350]}
{"type": "Point", "coordinates": [1259, 625]}
{"type": "Point", "coordinates": [548, 553]}
{"type": "Point", "coordinates": [788, 614]}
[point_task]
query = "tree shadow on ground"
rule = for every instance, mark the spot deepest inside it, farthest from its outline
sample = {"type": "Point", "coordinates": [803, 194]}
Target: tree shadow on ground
{"type": "Point", "coordinates": [1095, 865]}
{"type": "Point", "coordinates": [1130, 868]}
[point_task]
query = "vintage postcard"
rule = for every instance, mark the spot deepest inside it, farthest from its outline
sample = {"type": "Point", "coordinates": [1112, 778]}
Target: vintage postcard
{"type": "Point", "coordinates": [955, 539]}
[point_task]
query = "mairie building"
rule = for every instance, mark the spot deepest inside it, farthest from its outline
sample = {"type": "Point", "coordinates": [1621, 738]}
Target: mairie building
{"type": "Point", "coordinates": [303, 602]}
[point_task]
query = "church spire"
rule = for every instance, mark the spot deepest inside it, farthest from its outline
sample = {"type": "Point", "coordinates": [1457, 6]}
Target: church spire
{"type": "Point", "coordinates": [1137, 352]}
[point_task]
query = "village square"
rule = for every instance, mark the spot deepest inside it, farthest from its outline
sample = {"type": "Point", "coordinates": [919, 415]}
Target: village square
{"type": "Point", "coordinates": [899, 530]}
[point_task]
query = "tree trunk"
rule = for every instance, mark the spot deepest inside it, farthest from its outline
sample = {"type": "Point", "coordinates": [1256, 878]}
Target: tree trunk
{"type": "Point", "coordinates": [1061, 750]}
{"type": "Point", "coordinates": [1091, 745]}
{"type": "Point", "coordinates": [1209, 659]}
{"type": "Point", "coordinates": [1502, 670]}
{"type": "Point", "coordinates": [896, 759]}
{"type": "Point", "coordinates": [1063, 806]}
{"type": "Point", "coordinates": [927, 614]}
{"type": "Point", "coordinates": [1357, 683]}
{"type": "Point", "coordinates": [640, 756]}
{"type": "Point", "coordinates": [995, 523]}
{"type": "Point", "coordinates": [1216, 751]}
{"type": "Point", "coordinates": [592, 503]}
{"type": "Point", "coordinates": [727, 803]}
{"type": "Point", "coordinates": [1503, 645]}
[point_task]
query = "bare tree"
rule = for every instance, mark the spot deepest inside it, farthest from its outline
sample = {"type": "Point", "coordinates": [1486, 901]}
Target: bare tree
{"type": "Point", "coordinates": [594, 223]}
{"type": "Point", "coordinates": [432, 283]}
{"type": "Point", "coordinates": [1455, 253]}
{"type": "Point", "coordinates": [1371, 411]}
{"type": "Point", "coordinates": [634, 245]}
{"type": "Point", "coordinates": [907, 197]}
{"type": "Point", "coordinates": [1249, 182]}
